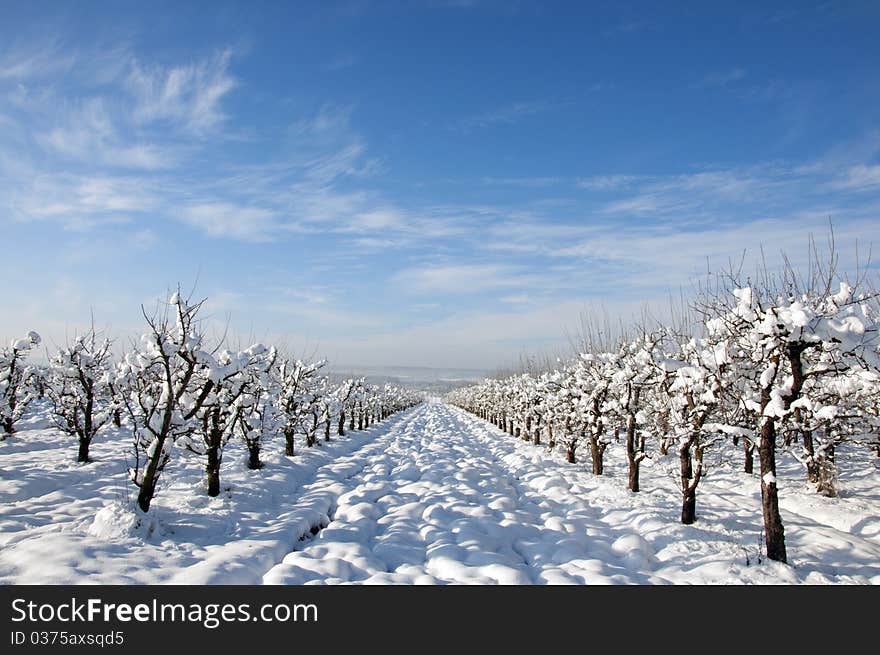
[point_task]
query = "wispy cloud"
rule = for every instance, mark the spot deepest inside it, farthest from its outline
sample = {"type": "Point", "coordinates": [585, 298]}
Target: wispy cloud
{"type": "Point", "coordinates": [608, 182]}
{"type": "Point", "coordinates": [34, 60]}
{"type": "Point", "coordinates": [187, 95]}
{"type": "Point", "coordinates": [701, 191]}
{"type": "Point", "coordinates": [219, 219]}
{"type": "Point", "coordinates": [457, 278]}
{"type": "Point", "coordinates": [508, 114]}
{"type": "Point", "coordinates": [330, 121]}
{"type": "Point", "coordinates": [860, 178]}
{"type": "Point", "coordinates": [90, 133]}
{"type": "Point", "coordinates": [528, 182]}
{"type": "Point", "coordinates": [82, 202]}
{"type": "Point", "coordinates": [377, 220]}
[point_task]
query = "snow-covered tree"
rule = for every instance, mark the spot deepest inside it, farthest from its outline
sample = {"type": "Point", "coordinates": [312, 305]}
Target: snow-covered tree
{"type": "Point", "coordinates": [592, 378]}
{"type": "Point", "coordinates": [295, 380]}
{"type": "Point", "coordinates": [225, 381]}
{"type": "Point", "coordinates": [79, 386]}
{"type": "Point", "coordinates": [161, 389]}
{"type": "Point", "coordinates": [569, 433]}
{"type": "Point", "coordinates": [689, 407]}
{"type": "Point", "coordinates": [260, 418]}
{"type": "Point", "coordinates": [780, 338]}
{"type": "Point", "coordinates": [17, 384]}
{"type": "Point", "coordinates": [315, 412]}
{"type": "Point", "coordinates": [341, 400]}
{"type": "Point", "coordinates": [634, 375]}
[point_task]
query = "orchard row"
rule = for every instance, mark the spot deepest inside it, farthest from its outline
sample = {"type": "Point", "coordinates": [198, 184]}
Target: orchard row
{"type": "Point", "coordinates": [767, 367]}
{"type": "Point", "coordinates": [175, 390]}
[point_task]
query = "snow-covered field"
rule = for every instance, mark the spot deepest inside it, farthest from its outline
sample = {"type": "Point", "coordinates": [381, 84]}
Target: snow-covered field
{"type": "Point", "coordinates": [432, 495]}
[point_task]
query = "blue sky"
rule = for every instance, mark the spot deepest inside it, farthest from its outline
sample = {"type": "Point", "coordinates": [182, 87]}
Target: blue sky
{"type": "Point", "coordinates": [421, 183]}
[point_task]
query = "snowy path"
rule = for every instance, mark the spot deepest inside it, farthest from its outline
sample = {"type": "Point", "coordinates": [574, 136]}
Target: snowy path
{"type": "Point", "coordinates": [435, 500]}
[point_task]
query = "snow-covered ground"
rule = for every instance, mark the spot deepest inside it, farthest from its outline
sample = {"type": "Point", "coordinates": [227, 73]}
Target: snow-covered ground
{"type": "Point", "coordinates": [432, 495]}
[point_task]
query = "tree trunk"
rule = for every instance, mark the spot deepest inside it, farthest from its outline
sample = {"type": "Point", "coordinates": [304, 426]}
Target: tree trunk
{"type": "Point", "coordinates": [289, 435]}
{"type": "Point", "coordinates": [212, 469]}
{"type": "Point", "coordinates": [311, 437]}
{"type": "Point", "coordinates": [774, 532]}
{"type": "Point", "coordinates": [254, 462]}
{"type": "Point", "coordinates": [632, 454]}
{"type": "Point", "coordinates": [537, 439]}
{"type": "Point", "coordinates": [688, 490]}
{"type": "Point", "coordinates": [327, 429]}
{"type": "Point", "coordinates": [341, 429]}
{"type": "Point", "coordinates": [214, 453]}
{"type": "Point", "coordinates": [597, 451]}
{"type": "Point", "coordinates": [812, 464]}
{"type": "Point", "coordinates": [88, 426]}
{"type": "Point", "coordinates": [826, 472]}
{"type": "Point", "coordinates": [148, 484]}
{"type": "Point", "coordinates": [83, 454]}
{"type": "Point", "coordinates": [749, 456]}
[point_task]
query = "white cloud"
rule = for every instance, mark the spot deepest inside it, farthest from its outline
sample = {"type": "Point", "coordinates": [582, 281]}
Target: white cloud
{"type": "Point", "coordinates": [219, 219]}
{"type": "Point", "coordinates": [859, 178]}
{"type": "Point", "coordinates": [90, 134]}
{"type": "Point", "coordinates": [329, 120]}
{"type": "Point", "coordinates": [82, 202]}
{"type": "Point", "coordinates": [677, 194]}
{"type": "Point", "coordinates": [608, 182]}
{"type": "Point", "coordinates": [346, 162]}
{"type": "Point", "coordinates": [34, 60]}
{"type": "Point", "coordinates": [667, 257]}
{"type": "Point", "coordinates": [462, 278]}
{"type": "Point", "coordinates": [527, 182]}
{"type": "Point", "coordinates": [377, 219]}
{"type": "Point", "coordinates": [187, 95]}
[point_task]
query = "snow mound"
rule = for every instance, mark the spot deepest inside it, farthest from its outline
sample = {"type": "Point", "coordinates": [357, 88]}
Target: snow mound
{"type": "Point", "coordinates": [120, 521]}
{"type": "Point", "coordinates": [635, 550]}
